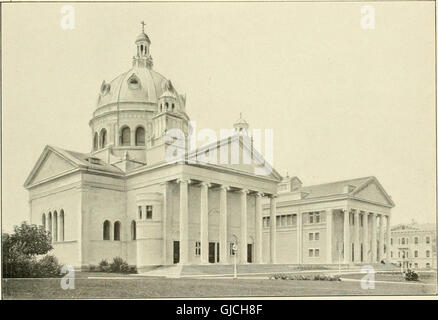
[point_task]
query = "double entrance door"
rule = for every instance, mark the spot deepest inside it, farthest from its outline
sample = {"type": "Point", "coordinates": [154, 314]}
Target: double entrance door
{"type": "Point", "coordinates": [213, 252]}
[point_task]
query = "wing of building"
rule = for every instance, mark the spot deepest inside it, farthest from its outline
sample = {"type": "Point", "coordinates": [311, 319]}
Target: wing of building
{"type": "Point", "coordinates": [142, 194]}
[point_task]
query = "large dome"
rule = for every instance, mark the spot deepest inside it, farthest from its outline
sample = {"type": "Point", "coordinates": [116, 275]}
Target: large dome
{"type": "Point", "coordinates": [139, 84]}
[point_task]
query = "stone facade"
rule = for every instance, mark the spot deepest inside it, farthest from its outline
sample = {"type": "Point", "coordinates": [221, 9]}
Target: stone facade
{"type": "Point", "coordinates": [413, 245]}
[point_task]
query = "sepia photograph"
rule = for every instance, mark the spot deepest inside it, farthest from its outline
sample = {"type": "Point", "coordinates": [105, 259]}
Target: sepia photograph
{"type": "Point", "coordinates": [215, 150]}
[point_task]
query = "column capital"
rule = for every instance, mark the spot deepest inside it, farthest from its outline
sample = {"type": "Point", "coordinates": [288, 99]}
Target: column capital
{"type": "Point", "coordinates": [346, 210]}
{"type": "Point", "coordinates": [273, 196]}
{"type": "Point", "coordinates": [183, 180]}
{"type": "Point", "coordinates": [260, 194]}
{"type": "Point", "coordinates": [225, 187]}
{"type": "Point", "coordinates": [205, 184]}
{"type": "Point", "coordinates": [244, 191]}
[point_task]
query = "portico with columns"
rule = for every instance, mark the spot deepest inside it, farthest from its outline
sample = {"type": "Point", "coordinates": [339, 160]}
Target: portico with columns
{"type": "Point", "coordinates": [340, 222]}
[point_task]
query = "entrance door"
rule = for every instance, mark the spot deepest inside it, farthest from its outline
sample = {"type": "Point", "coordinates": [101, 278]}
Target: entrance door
{"type": "Point", "coordinates": [211, 252]}
{"type": "Point", "coordinates": [176, 252]}
{"type": "Point", "coordinates": [249, 250]}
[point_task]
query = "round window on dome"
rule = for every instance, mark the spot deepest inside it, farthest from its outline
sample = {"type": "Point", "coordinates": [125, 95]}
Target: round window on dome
{"type": "Point", "coordinates": [105, 88]}
{"type": "Point", "coordinates": [133, 82]}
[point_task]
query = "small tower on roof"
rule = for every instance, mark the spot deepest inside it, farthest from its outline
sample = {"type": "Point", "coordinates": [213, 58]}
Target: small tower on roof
{"type": "Point", "coordinates": [241, 126]}
{"type": "Point", "coordinates": [143, 43]}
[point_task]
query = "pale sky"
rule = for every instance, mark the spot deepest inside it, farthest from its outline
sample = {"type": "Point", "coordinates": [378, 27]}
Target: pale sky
{"type": "Point", "coordinates": [343, 102]}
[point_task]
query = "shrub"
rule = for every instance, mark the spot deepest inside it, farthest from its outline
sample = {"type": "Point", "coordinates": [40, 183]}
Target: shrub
{"type": "Point", "coordinates": [119, 265]}
{"type": "Point", "coordinates": [132, 269]}
{"type": "Point", "coordinates": [49, 267]}
{"type": "Point", "coordinates": [320, 277]}
{"type": "Point", "coordinates": [102, 264]}
{"type": "Point", "coordinates": [411, 275]}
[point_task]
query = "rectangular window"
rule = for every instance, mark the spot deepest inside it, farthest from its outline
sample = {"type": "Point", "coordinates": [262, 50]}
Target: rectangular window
{"type": "Point", "coordinates": [311, 217]}
{"type": "Point", "coordinates": [407, 240]}
{"type": "Point", "coordinates": [416, 240]}
{"type": "Point", "coordinates": [391, 241]}
{"type": "Point", "coordinates": [197, 248]}
{"type": "Point", "coordinates": [310, 236]}
{"type": "Point", "coordinates": [289, 219]}
{"type": "Point", "coordinates": [140, 215]}
{"type": "Point", "coordinates": [317, 236]}
{"type": "Point", "coordinates": [310, 252]}
{"type": "Point", "coordinates": [278, 220]}
{"type": "Point", "coordinates": [416, 254]}
{"type": "Point", "coordinates": [294, 219]}
{"type": "Point", "coordinates": [403, 240]}
{"type": "Point", "coordinates": [427, 240]}
{"type": "Point", "coordinates": [148, 212]}
{"type": "Point", "coordinates": [317, 217]}
{"type": "Point", "coordinates": [316, 252]}
{"type": "Point", "coordinates": [283, 221]}
{"type": "Point", "coordinates": [427, 254]}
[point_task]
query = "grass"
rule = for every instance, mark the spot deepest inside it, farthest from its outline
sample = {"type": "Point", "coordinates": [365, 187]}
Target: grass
{"type": "Point", "coordinates": [142, 287]}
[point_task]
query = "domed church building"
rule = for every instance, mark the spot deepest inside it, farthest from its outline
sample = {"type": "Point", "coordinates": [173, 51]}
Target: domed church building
{"type": "Point", "coordinates": [143, 195]}
{"type": "Point", "coordinates": [126, 199]}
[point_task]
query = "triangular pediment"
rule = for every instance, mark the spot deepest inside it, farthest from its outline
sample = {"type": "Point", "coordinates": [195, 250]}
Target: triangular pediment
{"type": "Point", "coordinates": [234, 153]}
{"type": "Point", "coordinates": [372, 191]}
{"type": "Point", "coordinates": [50, 164]}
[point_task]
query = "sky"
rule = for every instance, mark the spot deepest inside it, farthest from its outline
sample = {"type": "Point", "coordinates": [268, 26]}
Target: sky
{"type": "Point", "coordinates": [343, 102]}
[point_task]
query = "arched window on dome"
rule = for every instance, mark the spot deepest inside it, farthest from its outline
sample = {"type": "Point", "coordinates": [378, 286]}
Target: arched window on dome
{"type": "Point", "coordinates": [103, 138]}
{"type": "Point", "coordinates": [139, 137]}
{"type": "Point", "coordinates": [133, 230]}
{"type": "Point", "coordinates": [173, 107]}
{"type": "Point", "coordinates": [117, 227]}
{"type": "Point", "coordinates": [107, 230]}
{"type": "Point", "coordinates": [95, 141]}
{"type": "Point", "coordinates": [125, 136]}
{"type": "Point", "coordinates": [167, 106]}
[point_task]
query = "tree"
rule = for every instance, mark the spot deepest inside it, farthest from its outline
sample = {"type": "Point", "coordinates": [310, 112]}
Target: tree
{"type": "Point", "coordinates": [20, 251]}
{"type": "Point", "coordinates": [28, 240]}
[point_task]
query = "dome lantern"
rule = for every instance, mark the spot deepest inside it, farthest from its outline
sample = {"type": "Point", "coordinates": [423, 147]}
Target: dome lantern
{"type": "Point", "coordinates": [143, 57]}
{"type": "Point", "coordinates": [241, 126]}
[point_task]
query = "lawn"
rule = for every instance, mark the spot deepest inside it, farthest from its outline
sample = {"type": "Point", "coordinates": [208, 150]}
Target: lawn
{"type": "Point", "coordinates": [142, 287]}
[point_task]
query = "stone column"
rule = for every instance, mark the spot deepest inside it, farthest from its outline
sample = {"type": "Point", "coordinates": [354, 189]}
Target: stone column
{"type": "Point", "coordinates": [366, 257]}
{"type": "Point", "coordinates": [388, 238]}
{"type": "Point", "coordinates": [373, 238]}
{"type": "Point", "coordinates": [329, 234]}
{"type": "Point", "coordinates": [258, 229]}
{"type": "Point", "coordinates": [381, 238]}
{"type": "Point", "coordinates": [164, 218]}
{"type": "Point", "coordinates": [243, 227]}
{"type": "Point", "coordinates": [300, 236]}
{"type": "Point", "coordinates": [356, 236]}
{"type": "Point", "coordinates": [273, 229]}
{"type": "Point", "coordinates": [183, 221]}
{"type": "Point", "coordinates": [204, 222]}
{"type": "Point", "coordinates": [223, 230]}
{"type": "Point", "coordinates": [347, 236]}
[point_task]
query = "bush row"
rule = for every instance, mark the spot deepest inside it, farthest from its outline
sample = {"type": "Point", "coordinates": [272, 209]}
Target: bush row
{"type": "Point", "coordinates": [321, 277]}
{"type": "Point", "coordinates": [30, 267]}
{"type": "Point", "coordinates": [118, 265]}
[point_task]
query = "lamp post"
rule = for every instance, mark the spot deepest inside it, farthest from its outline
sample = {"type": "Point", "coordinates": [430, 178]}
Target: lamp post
{"type": "Point", "coordinates": [235, 260]}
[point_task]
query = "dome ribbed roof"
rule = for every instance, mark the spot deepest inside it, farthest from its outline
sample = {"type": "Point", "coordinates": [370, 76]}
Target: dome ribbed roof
{"type": "Point", "coordinates": [139, 84]}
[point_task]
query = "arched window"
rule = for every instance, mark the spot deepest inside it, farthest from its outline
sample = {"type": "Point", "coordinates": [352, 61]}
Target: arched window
{"type": "Point", "coordinates": [55, 226]}
{"type": "Point", "coordinates": [117, 230]}
{"type": "Point", "coordinates": [125, 137]}
{"type": "Point", "coordinates": [49, 224]}
{"type": "Point", "coordinates": [107, 230]}
{"type": "Point", "coordinates": [167, 105]}
{"type": "Point", "coordinates": [43, 221]}
{"type": "Point", "coordinates": [95, 141]}
{"type": "Point", "coordinates": [61, 225]}
{"type": "Point", "coordinates": [103, 138]}
{"type": "Point", "coordinates": [173, 107]}
{"type": "Point", "coordinates": [139, 136]}
{"type": "Point", "coordinates": [133, 230]}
